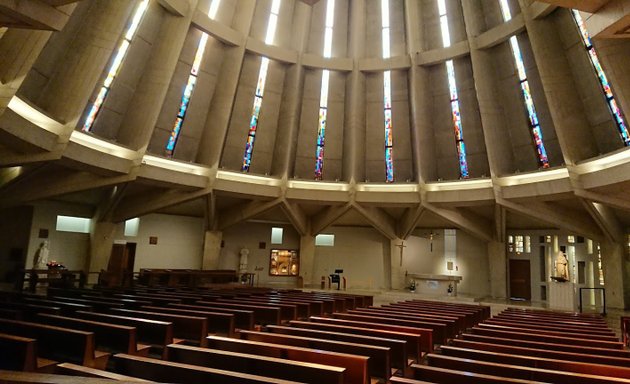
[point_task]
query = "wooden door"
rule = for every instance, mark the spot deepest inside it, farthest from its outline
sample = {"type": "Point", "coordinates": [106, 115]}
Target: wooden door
{"type": "Point", "coordinates": [520, 280]}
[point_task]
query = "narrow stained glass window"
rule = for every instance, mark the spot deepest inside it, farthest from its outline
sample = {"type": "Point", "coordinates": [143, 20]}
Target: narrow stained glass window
{"type": "Point", "coordinates": [190, 85]}
{"type": "Point", "coordinates": [323, 98]}
{"type": "Point", "coordinates": [119, 57]}
{"type": "Point", "coordinates": [260, 88]}
{"type": "Point", "coordinates": [452, 85]}
{"type": "Point", "coordinates": [387, 94]}
{"type": "Point", "coordinates": [622, 127]}
{"type": "Point", "coordinates": [536, 132]}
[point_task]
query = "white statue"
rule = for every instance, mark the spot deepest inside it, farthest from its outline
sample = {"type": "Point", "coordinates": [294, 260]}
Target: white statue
{"type": "Point", "coordinates": [41, 256]}
{"type": "Point", "coordinates": [562, 263]}
{"type": "Point", "coordinates": [242, 265]}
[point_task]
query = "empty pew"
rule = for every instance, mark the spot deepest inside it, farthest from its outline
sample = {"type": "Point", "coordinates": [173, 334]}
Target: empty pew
{"type": "Point", "coordinates": [193, 329]}
{"type": "Point", "coordinates": [109, 337]}
{"type": "Point", "coordinates": [167, 371]}
{"type": "Point", "coordinates": [518, 372]}
{"type": "Point", "coordinates": [556, 332]}
{"type": "Point", "coordinates": [218, 322]}
{"type": "Point", "coordinates": [98, 305]}
{"type": "Point", "coordinates": [262, 314]}
{"type": "Point", "coordinates": [156, 333]}
{"type": "Point", "coordinates": [452, 325]}
{"type": "Point", "coordinates": [584, 330]}
{"type": "Point", "coordinates": [381, 360]}
{"type": "Point", "coordinates": [14, 377]}
{"type": "Point", "coordinates": [243, 319]}
{"type": "Point", "coordinates": [356, 366]}
{"type": "Point", "coordinates": [18, 353]}
{"type": "Point", "coordinates": [379, 364]}
{"type": "Point", "coordinates": [56, 343]}
{"type": "Point", "coordinates": [66, 307]}
{"type": "Point", "coordinates": [451, 376]}
{"type": "Point", "coordinates": [287, 311]}
{"type": "Point", "coordinates": [259, 365]}
{"type": "Point", "coordinates": [79, 370]}
{"type": "Point", "coordinates": [537, 362]}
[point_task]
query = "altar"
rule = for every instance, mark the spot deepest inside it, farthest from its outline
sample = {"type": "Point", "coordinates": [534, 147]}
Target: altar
{"type": "Point", "coordinates": [435, 285]}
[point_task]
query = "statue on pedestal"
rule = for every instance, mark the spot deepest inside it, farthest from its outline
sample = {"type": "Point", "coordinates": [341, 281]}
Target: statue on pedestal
{"type": "Point", "coordinates": [562, 267]}
{"type": "Point", "coordinates": [242, 265]}
{"type": "Point", "coordinates": [41, 256]}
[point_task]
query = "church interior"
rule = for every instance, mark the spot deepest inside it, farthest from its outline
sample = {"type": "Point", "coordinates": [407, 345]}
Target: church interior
{"type": "Point", "coordinates": [315, 191]}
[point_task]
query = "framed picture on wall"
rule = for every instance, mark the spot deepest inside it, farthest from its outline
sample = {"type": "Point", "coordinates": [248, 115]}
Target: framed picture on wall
{"type": "Point", "coordinates": [284, 262]}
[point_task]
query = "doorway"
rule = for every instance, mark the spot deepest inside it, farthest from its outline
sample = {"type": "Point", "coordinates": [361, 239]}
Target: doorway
{"type": "Point", "coordinates": [520, 280]}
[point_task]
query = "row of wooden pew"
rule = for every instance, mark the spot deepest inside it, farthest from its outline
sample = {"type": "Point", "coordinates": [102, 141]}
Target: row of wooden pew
{"type": "Point", "coordinates": [533, 346]}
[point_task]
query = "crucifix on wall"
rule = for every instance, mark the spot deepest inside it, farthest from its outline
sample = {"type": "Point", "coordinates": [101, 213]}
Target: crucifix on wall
{"type": "Point", "coordinates": [401, 246]}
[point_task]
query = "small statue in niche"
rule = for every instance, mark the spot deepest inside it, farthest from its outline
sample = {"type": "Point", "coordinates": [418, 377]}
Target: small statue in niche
{"type": "Point", "coordinates": [40, 260]}
{"type": "Point", "coordinates": [561, 265]}
{"type": "Point", "coordinates": [242, 265]}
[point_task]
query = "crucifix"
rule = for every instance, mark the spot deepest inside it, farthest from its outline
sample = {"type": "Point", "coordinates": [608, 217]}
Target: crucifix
{"type": "Point", "coordinates": [401, 246]}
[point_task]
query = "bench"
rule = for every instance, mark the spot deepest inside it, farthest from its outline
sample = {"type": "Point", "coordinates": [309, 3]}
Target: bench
{"type": "Point", "coordinates": [193, 329]}
{"type": "Point", "coordinates": [18, 353]}
{"type": "Point", "coordinates": [56, 343]}
{"type": "Point", "coordinates": [380, 362]}
{"type": "Point", "coordinates": [375, 353]}
{"type": "Point", "coordinates": [537, 362]}
{"type": "Point", "coordinates": [584, 330]}
{"type": "Point", "coordinates": [243, 319]}
{"type": "Point", "coordinates": [167, 371]}
{"type": "Point", "coordinates": [418, 339]}
{"type": "Point", "coordinates": [262, 315]}
{"type": "Point", "coordinates": [558, 332]}
{"type": "Point", "coordinates": [156, 333]}
{"type": "Point", "coordinates": [530, 336]}
{"type": "Point", "coordinates": [217, 322]}
{"type": "Point", "coordinates": [66, 307]}
{"type": "Point", "coordinates": [464, 319]}
{"type": "Point", "coordinates": [451, 324]}
{"type": "Point", "coordinates": [94, 303]}
{"type": "Point", "coordinates": [518, 372]}
{"type": "Point", "coordinates": [287, 312]}
{"type": "Point", "coordinates": [356, 366]}
{"type": "Point", "coordinates": [109, 337]}
{"type": "Point", "coordinates": [259, 365]}
{"type": "Point", "coordinates": [549, 321]}
{"type": "Point", "coordinates": [79, 370]}
{"type": "Point", "coordinates": [450, 376]}
{"type": "Point", "coordinates": [14, 377]}
{"type": "Point", "coordinates": [127, 303]}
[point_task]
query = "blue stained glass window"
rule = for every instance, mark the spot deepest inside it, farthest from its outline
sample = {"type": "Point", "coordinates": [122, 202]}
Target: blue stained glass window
{"type": "Point", "coordinates": [115, 66]}
{"type": "Point", "coordinates": [603, 80]}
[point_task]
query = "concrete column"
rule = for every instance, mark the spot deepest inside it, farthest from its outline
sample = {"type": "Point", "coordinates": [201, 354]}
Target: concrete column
{"type": "Point", "coordinates": [497, 261]}
{"type": "Point", "coordinates": [215, 130]}
{"type": "Point", "coordinates": [307, 261]}
{"type": "Point", "coordinates": [68, 92]}
{"type": "Point", "coordinates": [146, 104]}
{"type": "Point", "coordinates": [397, 280]}
{"type": "Point", "coordinates": [101, 243]}
{"type": "Point", "coordinates": [211, 249]}
{"type": "Point", "coordinates": [19, 48]}
{"type": "Point", "coordinates": [572, 127]}
{"type": "Point", "coordinates": [289, 119]}
{"type": "Point", "coordinates": [616, 274]}
{"type": "Point", "coordinates": [496, 137]}
{"type": "Point", "coordinates": [353, 167]}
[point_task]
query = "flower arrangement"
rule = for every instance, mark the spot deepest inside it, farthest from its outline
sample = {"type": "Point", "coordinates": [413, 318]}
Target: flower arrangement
{"type": "Point", "coordinates": [54, 264]}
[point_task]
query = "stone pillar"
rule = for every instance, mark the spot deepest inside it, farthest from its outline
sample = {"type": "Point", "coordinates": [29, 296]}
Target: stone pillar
{"type": "Point", "coordinates": [497, 261]}
{"type": "Point", "coordinates": [218, 120]}
{"type": "Point", "coordinates": [397, 279]}
{"type": "Point", "coordinates": [307, 262]}
{"type": "Point", "coordinates": [211, 249]}
{"type": "Point", "coordinates": [353, 168]}
{"type": "Point", "coordinates": [289, 118]}
{"type": "Point", "coordinates": [146, 104]}
{"type": "Point", "coordinates": [101, 243]}
{"type": "Point", "coordinates": [616, 277]}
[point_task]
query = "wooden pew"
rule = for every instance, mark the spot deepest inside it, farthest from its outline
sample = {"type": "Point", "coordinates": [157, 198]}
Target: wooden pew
{"type": "Point", "coordinates": [18, 353]}
{"type": "Point", "coordinates": [537, 362]}
{"type": "Point", "coordinates": [218, 322]}
{"type": "Point", "coordinates": [426, 335]}
{"type": "Point", "coordinates": [356, 366]}
{"type": "Point", "coordinates": [438, 328]}
{"type": "Point", "coordinates": [156, 333]}
{"type": "Point", "coordinates": [556, 315]}
{"type": "Point", "coordinates": [542, 352]}
{"type": "Point", "coordinates": [108, 337]}
{"type": "Point", "coordinates": [14, 377]}
{"type": "Point", "coordinates": [56, 343]}
{"type": "Point", "coordinates": [98, 305]}
{"type": "Point", "coordinates": [262, 314]}
{"type": "Point", "coordinates": [415, 337]}
{"type": "Point", "coordinates": [79, 370]}
{"type": "Point", "coordinates": [464, 320]}
{"type": "Point", "coordinates": [66, 307]}
{"type": "Point", "coordinates": [193, 329]}
{"type": "Point", "coordinates": [29, 311]}
{"type": "Point", "coordinates": [328, 305]}
{"type": "Point", "coordinates": [518, 372]}
{"type": "Point", "coordinates": [13, 314]}
{"type": "Point", "coordinates": [379, 364]}
{"type": "Point", "coordinates": [258, 365]}
{"type": "Point", "coordinates": [558, 327]}
{"type": "Point", "coordinates": [404, 380]}
{"type": "Point", "coordinates": [450, 376]}
{"type": "Point", "coordinates": [550, 321]}
{"type": "Point", "coordinates": [167, 371]}
{"type": "Point", "coordinates": [483, 311]}
{"type": "Point", "coordinates": [530, 336]}
{"type": "Point", "coordinates": [243, 319]}
{"type": "Point", "coordinates": [127, 303]}
{"type": "Point", "coordinates": [287, 311]}
{"type": "Point", "coordinates": [558, 332]}
{"type": "Point", "coordinates": [452, 325]}
{"type": "Point", "coordinates": [555, 346]}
